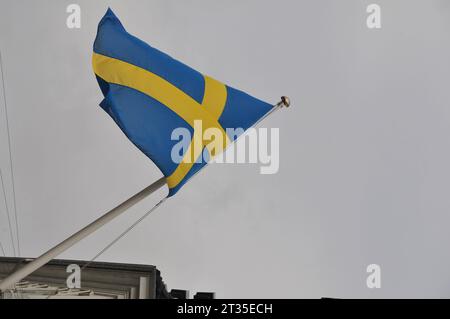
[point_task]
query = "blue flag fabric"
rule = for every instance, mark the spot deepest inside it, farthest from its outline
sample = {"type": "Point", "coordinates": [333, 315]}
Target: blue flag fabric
{"type": "Point", "coordinates": [149, 94]}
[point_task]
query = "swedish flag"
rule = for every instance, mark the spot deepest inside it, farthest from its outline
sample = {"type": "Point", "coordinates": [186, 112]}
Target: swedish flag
{"type": "Point", "coordinates": [149, 94]}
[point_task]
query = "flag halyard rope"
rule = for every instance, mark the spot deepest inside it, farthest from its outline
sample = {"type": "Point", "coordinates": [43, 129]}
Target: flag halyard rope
{"type": "Point", "coordinates": [124, 233]}
{"type": "Point", "coordinates": [11, 167]}
{"type": "Point", "coordinates": [7, 213]}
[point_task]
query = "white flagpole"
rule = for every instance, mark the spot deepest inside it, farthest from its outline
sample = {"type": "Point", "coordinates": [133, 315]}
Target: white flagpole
{"type": "Point", "coordinates": [10, 281]}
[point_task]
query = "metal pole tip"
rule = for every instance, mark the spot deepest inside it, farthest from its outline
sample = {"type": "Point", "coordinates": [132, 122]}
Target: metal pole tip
{"type": "Point", "coordinates": [285, 100]}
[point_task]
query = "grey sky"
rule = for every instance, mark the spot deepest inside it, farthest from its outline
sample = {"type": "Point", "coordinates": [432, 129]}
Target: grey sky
{"type": "Point", "coordinates": [363, 177]}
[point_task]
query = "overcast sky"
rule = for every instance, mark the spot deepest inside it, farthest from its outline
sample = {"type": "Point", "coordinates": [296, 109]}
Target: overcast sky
{"type": "Point", "coordinates": [364, 150]}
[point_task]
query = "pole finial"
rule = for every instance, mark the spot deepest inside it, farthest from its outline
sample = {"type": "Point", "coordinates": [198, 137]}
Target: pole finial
{"type": "Point", "coordinates": [285, 101]}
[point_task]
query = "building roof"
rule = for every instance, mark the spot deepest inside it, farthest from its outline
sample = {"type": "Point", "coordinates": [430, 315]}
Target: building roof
{"type": "Point", "coordinates": [98, 280]}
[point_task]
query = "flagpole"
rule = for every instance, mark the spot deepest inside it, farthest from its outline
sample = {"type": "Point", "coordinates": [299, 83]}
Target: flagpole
{"type": "Point", "coordinates": [12, 279]}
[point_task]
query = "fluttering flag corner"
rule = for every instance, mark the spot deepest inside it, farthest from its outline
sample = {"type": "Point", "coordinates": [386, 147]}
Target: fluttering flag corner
{"type": "Point", "coordinates": [149, 95]}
